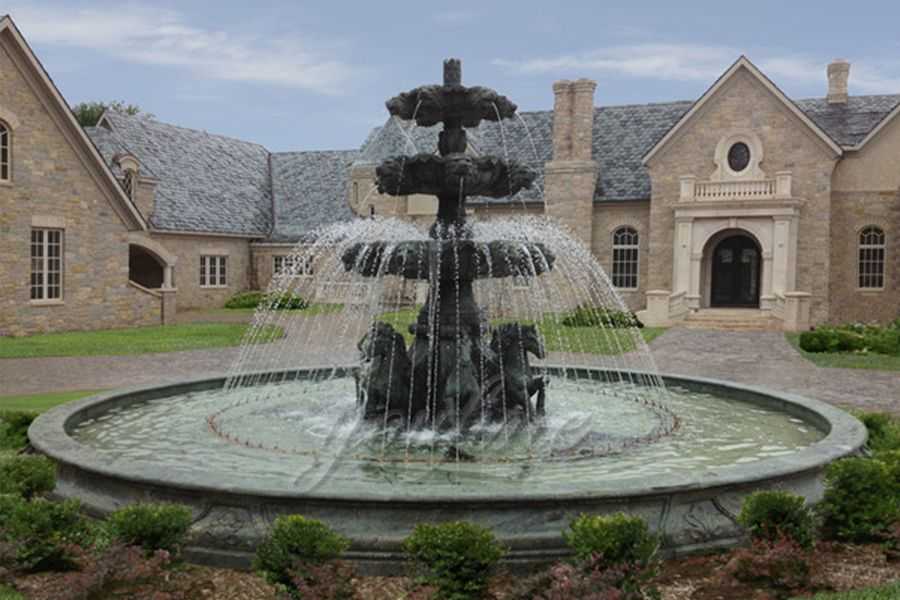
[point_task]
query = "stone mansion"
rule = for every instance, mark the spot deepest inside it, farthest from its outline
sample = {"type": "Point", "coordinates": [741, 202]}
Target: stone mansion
{"type": "Point", "coordinates": [743, 199]}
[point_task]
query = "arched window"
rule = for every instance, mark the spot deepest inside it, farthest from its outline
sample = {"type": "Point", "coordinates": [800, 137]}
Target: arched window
{"type": "Point", "coordinates": [625, 258]}
{"type": "Point", "coordinates": [5, 151]}
{"type": "Point", "coordinates": [871, 258]}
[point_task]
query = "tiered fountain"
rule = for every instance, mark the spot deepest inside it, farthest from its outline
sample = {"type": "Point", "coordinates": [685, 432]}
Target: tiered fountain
{"type": "Point", "coordinates": [339, 420]}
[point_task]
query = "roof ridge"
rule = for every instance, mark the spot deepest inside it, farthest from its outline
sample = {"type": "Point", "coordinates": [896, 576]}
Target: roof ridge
{"type": "Point", "coordinates": [140, 117]}
{"type": "Point", "coordinates": [283, 152]}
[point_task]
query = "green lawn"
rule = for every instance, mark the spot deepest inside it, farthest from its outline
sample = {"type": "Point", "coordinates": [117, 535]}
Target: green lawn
{"type": "Point", "coordinates": [41, 402]}
{"type": "Point", "coordinates": [7, 593]}
{"type": "Point", "coordinates": [846, 360]}
{"type": "Point", "coordinates": [139, 340]}
{"type": "Point", "coordinates": [887, 592]}
{"type": "Point", "coordinates": [558, 338]}
{"type": "Point", "coordinates": [316, 308]}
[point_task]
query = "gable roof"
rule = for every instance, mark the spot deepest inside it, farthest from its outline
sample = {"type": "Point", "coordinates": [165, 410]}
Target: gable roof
{"type": "Point", "coordinates": [206, 183]}
{"type": "Point", "coordinates": [305, 187]}
{"type": "Point", "coordinates": [59, 108]}
{"type": "Point", "coordinates": [744, 63]}
{"type": "Point", "coordinates": [856, 122]}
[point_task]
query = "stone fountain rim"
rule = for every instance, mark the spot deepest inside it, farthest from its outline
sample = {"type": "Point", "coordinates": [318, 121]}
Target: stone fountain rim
{"type": "Point", "coordinates": [845, 435]}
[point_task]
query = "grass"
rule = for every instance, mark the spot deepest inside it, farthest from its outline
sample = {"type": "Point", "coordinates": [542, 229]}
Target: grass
{"type": "Point", "coordinates": [7, 593]}
{"type": "Point", "coordinates": [42, 402]}
{"type": "Point", "coordinates": [558, 338]}
{"type": "Point", "coordinates": [139, 340]}
{"type": "Point", "coordinates": [887, 592]}
{"type": "Point", "coordinates": [316, 308]}
{"type": "Point", "coordinates": [846, 360]}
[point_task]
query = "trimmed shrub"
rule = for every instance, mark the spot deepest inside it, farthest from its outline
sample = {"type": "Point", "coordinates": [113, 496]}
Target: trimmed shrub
{"type": "Point", "coordinates": [151, 526]}
{"type": "Point", "coordinates": [245, 300]}
{"type": "Point", "coordinates": [886, 341]}
{"type": "Point", "coordinates": [296, 539]}
{"type": "Point", "coordinates": [45, 534]}
{"type": "Point", "coordinates": [600, 316]}
{"type": "Point", "coordinates": [884, 431]}
{"type": "Point", "coordinates": [770, 515]}
{"type": "Point", "coordinates": [14, 428]}
{"type": "Point", "coordinates": [457, 557]}
{"type": "Point", "coordinates": [861, 500]}
{"type": "Point", "coordinates": [832, 339]}
{"type": "Point", "coordinates": [619, 538]}
{"type": "Point", "coordinates": [27, 475]}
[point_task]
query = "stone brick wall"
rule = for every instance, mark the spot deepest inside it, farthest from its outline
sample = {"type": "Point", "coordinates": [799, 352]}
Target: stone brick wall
{"type": "Point", "coordinates": [851, 211]}
{"type": "Point", "coordinates": [188, 249]}
{"type": "Point", "coordinates": [744, 103]}
{"type": "Point", "coordinates": [607, 218]}
{"type": "Point", "coordinates": [52, 185]}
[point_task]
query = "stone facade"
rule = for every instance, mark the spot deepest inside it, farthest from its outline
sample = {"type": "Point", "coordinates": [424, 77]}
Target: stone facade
{"type": "Point", "coordinates": [607, 219]}
{"type": "Point", "coordinates": [51, 187]}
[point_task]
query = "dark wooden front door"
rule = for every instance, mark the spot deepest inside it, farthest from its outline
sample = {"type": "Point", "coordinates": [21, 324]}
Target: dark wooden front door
{"type": "Point", "coordinates": [735, 273]}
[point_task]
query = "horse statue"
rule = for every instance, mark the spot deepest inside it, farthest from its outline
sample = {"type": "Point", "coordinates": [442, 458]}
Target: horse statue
{"type": "Point", "coordinates": [382, 383]}
{"type": "Point", "coordinates": [510, 383]}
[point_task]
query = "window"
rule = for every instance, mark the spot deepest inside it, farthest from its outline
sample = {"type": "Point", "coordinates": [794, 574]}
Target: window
{"type": "Point", "coordinates": [128, 181]}
{"type": "Point", "coordinates": [871, 258]}
{"type": "Point", "coordinates": [5, 164]}
{"type": "Point", "coordinates": [739, 157]}
{"type": "Point", "coordinates": [212, 271]}
{"type": "Point", "coordinates": [297, 266]}
{"type": "Point", "coordinates": [46, 264]}
{"type": "Point", "coordinates": [625, 258]}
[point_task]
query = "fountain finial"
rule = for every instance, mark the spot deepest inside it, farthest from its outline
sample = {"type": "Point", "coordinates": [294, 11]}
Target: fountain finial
{"type": "Point", "coordinates": [452, 71]}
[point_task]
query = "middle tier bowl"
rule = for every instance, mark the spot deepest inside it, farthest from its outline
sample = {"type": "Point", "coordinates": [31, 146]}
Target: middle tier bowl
{"type": "Point", "coordinates": [446, 259]}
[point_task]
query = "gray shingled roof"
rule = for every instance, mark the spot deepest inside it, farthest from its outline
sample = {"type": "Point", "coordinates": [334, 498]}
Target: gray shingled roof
{"type": "Point", "coordinates": [310, 191]}
{"type": "Point", "coordinates": [211, 183]}
{"type": "Point", "coordinates": [207, 183]}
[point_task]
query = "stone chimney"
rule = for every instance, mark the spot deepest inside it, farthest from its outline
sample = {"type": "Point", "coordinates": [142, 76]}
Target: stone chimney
{"type": "Point", "coordinates": [571, 176]}
{"type": "Point", "coordinates": [838, 75]}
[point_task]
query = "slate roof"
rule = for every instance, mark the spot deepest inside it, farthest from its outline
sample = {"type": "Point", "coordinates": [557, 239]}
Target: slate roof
{"type": "Point", "coordinates": [310, 191]}
{"type": "Point", "coordinates": [214, 184]}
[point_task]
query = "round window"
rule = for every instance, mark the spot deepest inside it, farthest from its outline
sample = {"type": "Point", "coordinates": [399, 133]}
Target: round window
{"type": "Point", "coordinates": [739, 157]}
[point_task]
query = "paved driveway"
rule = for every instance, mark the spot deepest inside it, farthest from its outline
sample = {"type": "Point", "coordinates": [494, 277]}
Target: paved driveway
{"type": "Point", "coordinates": [754, 357]}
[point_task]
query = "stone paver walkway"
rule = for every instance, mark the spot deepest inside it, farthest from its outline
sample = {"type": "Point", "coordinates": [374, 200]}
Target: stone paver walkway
{"type": "Point", "coordinates": [761, 358]}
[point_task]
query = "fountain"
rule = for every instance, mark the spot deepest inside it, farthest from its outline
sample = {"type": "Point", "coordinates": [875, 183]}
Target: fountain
{"type": "Point", "coordinates": [482, 402]}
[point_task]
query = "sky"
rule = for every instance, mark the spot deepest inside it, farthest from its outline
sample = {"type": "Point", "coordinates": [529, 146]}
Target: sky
{"type": "Point", "coordinates": [296, 75]}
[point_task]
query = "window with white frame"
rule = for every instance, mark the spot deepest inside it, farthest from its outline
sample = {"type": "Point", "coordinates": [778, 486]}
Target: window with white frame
{"type": "Point", "coordinates": [871, 258]}
{"type": "Point", "coordinates": [291, 264]}
{"type": "Point", "coordinates": [5, 153]}
{"type": "Point", "coordinates": [213, 271]}
{"type": "Point", "coordinates": [625, 258]}
{"type": "Point", "coordinates": [46, 264]}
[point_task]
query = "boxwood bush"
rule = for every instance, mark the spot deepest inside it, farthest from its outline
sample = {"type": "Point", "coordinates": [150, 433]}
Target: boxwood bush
{"type": "Point", "coordinates": [279, 301]}
{"type": "Point", "coordinates": [770, 515]}
{"type": "Point", "coordinates": [151, 526]}
{"type": "Point", "coordinates": [861, 500]}
{"type": "Point", "coordinates": [295, 540]}
{"type": "Point", "coordinates": [27, 475]}
{"type": "Point", "coordinates": [14, 428]}
{"type": "Point", "coordinates": [457, 557]}
{"type": "Point", "coordinates": [586, 315]}
{"type": "Point", "coordinates": [44, 534]}
{"type": "Point", "coordinates": [618, 538]}
{"type": "Point", "coordinates": [855, 337]}
{"type": "Point", "coordinates": [884, 431]}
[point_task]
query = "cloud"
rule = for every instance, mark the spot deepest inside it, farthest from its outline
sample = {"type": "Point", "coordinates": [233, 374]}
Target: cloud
{"type": "Point", "coordinates": [151, 36]}
{"type": "Point", "coordinates": [705, 63]}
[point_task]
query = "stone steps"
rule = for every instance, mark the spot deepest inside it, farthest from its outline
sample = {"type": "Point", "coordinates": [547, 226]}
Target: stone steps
{"type": "Point", "coordinates": [731, 319]}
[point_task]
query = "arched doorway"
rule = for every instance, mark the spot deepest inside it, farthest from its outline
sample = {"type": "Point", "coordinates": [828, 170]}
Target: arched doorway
{"type": "Point", "coordinates": [735, 269]}
{"type": "Point", "coordinates": [145, 268]}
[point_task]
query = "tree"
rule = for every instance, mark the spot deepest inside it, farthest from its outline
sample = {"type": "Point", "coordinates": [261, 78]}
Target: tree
{"type": "Point", "coordinates": [88, 113]}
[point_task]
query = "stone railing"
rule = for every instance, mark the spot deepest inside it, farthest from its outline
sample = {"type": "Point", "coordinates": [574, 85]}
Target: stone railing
{"type": "Point", "coordinates": [678, 306]}
{"type": "Point", "coordinates": [763, 189]}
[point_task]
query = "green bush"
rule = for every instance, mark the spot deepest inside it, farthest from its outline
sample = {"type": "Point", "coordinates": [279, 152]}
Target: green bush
{"type": "Point", "coordinates": [151, 526]}
{"type": "Point", "coordinates": [886, 341]}
{"type": "Point", "coordinates": [43, 533]}
{"type": "Point", "coordinates": [457, 557]}
{"type": "Point", "coordinates": [279, 301]}
{"type": "Point", "coordinates": [861, 500]}
{"type": "Point", "coordinates": [14, 428]}
{"type": "Point", "coordinates": [296, 539]}
{"type": "Point", "coordinates": [884, 431]}
{"type": "Point", "coordinates": [770, 515]}
{"type": "Point", "coordinates": [833, 339]}
{"type": "Point", "coordinates": [600, 316]}
{"type": "Point", "coordinates": [619, 538]}
{"type": "Point", "coordinates": [27, 475]}
{"type": "Point", "coordinates": [245, 300]}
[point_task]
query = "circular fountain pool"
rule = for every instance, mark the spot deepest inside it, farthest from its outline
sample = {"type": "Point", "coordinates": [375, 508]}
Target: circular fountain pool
{"type": "Point", "coordinates": [300, 447]}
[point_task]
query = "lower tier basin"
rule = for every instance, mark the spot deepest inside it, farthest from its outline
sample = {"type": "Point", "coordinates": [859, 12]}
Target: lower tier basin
{"type": "Point", "coordinates": [241, 457]}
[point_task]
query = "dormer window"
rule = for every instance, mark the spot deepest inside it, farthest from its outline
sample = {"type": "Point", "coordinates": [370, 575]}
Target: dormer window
{"type": "Point", "coordinates": [130, 168]}
{"type": "Point", "coordinates": [129, 182]}
{"type": "Point", "coordinates": [5, 151]}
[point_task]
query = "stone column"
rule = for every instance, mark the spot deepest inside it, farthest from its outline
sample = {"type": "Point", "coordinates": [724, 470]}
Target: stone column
{"type": "Point", "coordinates": [168, 307]}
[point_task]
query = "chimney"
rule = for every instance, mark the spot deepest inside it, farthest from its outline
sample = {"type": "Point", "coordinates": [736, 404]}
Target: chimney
{"type": "Point", "coordinates": [563, 99]}
{"type": "Point", "coordinates": [583, 119]}
{"type": "Point", "coordinates": [838, 75]}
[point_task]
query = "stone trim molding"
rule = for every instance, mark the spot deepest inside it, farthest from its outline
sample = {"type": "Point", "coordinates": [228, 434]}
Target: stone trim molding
{"type": "Point", "coordinates": [48, 221]}
{"type": "Point", "coordinates": [153, 246]}
{"type": "Point", "coordinates": [9, 117]}
{"type": "Point", "coordinates": [753, 171]}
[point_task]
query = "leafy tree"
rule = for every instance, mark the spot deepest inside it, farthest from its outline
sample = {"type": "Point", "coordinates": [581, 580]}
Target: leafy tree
{"type": "Point", "coordinates": [88, 113]}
